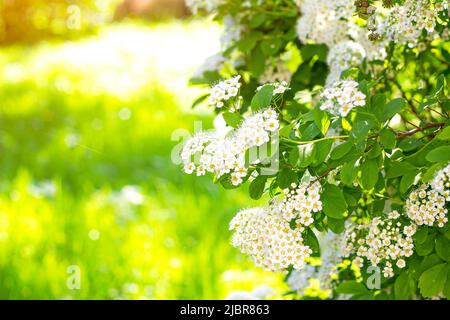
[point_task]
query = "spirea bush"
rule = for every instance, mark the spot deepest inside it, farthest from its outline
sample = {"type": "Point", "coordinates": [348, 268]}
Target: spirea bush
{"type": "Point", "coordinates": [338, 112]}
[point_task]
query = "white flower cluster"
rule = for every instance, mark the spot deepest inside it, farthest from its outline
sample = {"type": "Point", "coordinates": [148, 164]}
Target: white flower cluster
{"type": "Point", "coordinates": [226, 155]}
{"type": "Point", "coordinates": [324, 21]}
{"type": "Point", "coordinates": [278, 87]}
{"type": "Point", "coordinates": [300, 280]}
{"type": "Point", "coordinates": [405, 23]}
{"type": "Point", "coordinates": [426, 206]}
{"type": "Point", "coordinates": [276, 71]}
{"type": "Point", "coordinates": [342, 97]}
{"type": "Point", "coordinates": [272, 236]}
{"type": "Point", "coordinates": [232, 31]}
{"type": "Point", "coordinates": [374, 50]}
{"type": "Point", "coordinates": [332, 23]}
{"type": "Point", "coordinates": [441, 182]}
{"type": "Point", "coordinates": [261, 292]}
{"type": "Point", "coordinates": [343, 56]}
{"type": "Point", "coordinates": [332, 251]}
{"type": "Point", "coordinates": [211, 64]}
{"type": "Point", "coordinates": [224, 91]}
{"type": "Point", "coordinates": [382, 242]}
{"type": "Point", "coordinates": [206, 6]}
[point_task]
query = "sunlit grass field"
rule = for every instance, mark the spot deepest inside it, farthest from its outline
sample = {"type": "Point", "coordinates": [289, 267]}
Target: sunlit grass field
{"type": "Point", "coordinates": [86, 177]}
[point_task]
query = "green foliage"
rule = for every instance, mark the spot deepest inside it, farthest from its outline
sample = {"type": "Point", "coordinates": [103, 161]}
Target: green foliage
{"type": "Point", "coordinates": [370, 159]}
{"type": "Point", "coordinates": [68, 152]}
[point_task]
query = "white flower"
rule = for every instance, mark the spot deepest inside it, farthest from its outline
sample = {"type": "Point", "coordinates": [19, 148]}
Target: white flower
{"type": "Point", "coordinates": [382, 242]}
{"type": "Point", "coordinates": [224, 91]}
{"type": "Point", "coordinates": [276, 71]}
{"type": "Point", "coordinates": [426, 205]}
{"type": "Point", "coordinates": [324, 21]}
{"type": "Point", "coordinates": [404, 23]}
{"type": "Point", "coordinates": [207, 6]}
{"type": "Point", "coordinates": [210, 152]}
{"type": "Point", "coordinates": [358, 262]}
{"type": "Point", "coordinates": [267, 234]}
{"type": "Point", "coordinates": [401, 263]}
{"type": "Point", "coordinates": [343, 56]}
{"type": "Point", "coordinates": [278, 87]}
{"type": "Point", "coordinates": [441, 182]}
{"type": "Point", "coordinates": [212, 63]}
{"type": "Point", "coordinates": [342, 97]}
{"type": "Point", "coordinates": [232, 31]}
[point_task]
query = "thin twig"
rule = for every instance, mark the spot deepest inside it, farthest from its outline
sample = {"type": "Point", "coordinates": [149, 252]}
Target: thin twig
{"type": "Point", "coordinates": [425, 127]}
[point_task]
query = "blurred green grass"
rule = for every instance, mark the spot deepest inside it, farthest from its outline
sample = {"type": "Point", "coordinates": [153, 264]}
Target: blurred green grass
{"type": "Point", "coordinates": [86, 176]}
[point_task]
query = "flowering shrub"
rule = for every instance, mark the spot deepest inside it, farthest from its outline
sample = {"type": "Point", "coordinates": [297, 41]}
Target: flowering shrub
{"type": "Point", "coordinates": [350, 102]}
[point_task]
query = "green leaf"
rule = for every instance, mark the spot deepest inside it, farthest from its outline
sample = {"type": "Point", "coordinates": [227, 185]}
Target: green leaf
{"type": "Point", "coordinates": [429, 262]}
{"type": "Point", "coordinates": [375, 151]}
{"type": "Point", "coordinates": [425, 248]}
{"type": "Point", "coordinates": [443, 248]}
{"type": "Point", "coordinates": [256, 187]}
{"type": "Point", "coordinates": [322, 149]}
{"type": "Point", "coordinates": [257, 62]}
{"type": "Point", "coordinates": [388, 138]}
{"type": "Point", "coordinates": [333, 201]}
{"type": "Point", "coordinates": [444, 134]}
{"type": "Point", "coordinates": [310, 132]}
{"type": "Point", "coordinates": [440, 154]}
{"type": "Point", "coordinates": [393, 107]}
{"type": "Point", "coordinates": [361, 128]}
{"type": "Point", "coordinates": [306, 155]}
{"type": "Point", "coordinates": [429, 174]}
{"type": "Point", "coordinates": [311, 240]}
{"type": "Point", "coordinates": [349, 172]}
{"type": "Point", "coordinates": [293, 156]}
{"type": "Point", "coordinates": [322, 120]}
{"type": "Point", "coordinates": [336, 225]}
{"type": "Point", "coordinates": [232, 119]}
{"type": "Point", "coordinates": [446, 290]}
{"type": "Point", "coordinates": [257, 20]}
{"type": "Point", "coordinates": [286, 177]}
{"type": "Point", "coordinates": [341, 150]}
{"type": "Point", "coordinates": [378, 102]}
{"type": "Point", "coordinates": [271, 46]}
{"type": "Point", "coordinates": [199, 100]}
{"type": "Point", "coordinates": [432, 281]}
{"type": "Point", "coordinates": [404, 286]}
{"type": "Point", "coordinates": [352, 287]}
{"type": "Point", "coordinates": [409, 143]}
{"type": "Point", "coordinates": [406, 181]}
{"type": "Point", "coordinates": [399, 169]}
{"type": "Point", "coordinates": [369, 174]}
{"type": "Point", "coordinates": [421, 235]}
{"type": "Point", "coordinates": [262, 98]}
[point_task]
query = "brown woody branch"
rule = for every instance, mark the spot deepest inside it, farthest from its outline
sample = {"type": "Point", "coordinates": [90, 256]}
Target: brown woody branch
{"type": "Point", "coordinates": [425, 127]}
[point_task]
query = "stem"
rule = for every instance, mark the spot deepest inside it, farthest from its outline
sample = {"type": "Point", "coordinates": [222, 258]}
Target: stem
{"type": "Point", "coordinates": [403, 93]}
{"type": "Point", "coordinates": [314, 141]}
{"type": "Point", "coordinates": [414, 131]}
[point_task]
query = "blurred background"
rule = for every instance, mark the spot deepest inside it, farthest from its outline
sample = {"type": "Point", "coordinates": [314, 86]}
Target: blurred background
{"type": "Point", "coordinates": [90, 94]}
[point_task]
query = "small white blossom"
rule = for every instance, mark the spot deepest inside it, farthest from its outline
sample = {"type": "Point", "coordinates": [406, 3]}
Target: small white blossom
{"type": "Point", "coordinates": [278, 87]}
